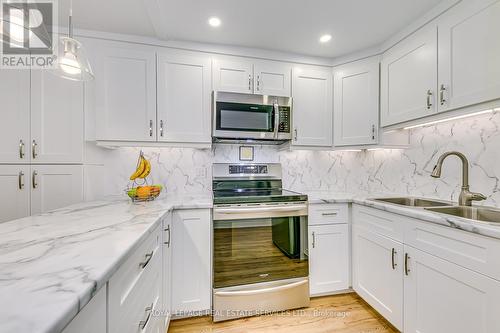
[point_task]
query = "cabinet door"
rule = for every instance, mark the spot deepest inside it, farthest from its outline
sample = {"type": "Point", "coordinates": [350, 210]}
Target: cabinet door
{"type": "Point", "coordinates": [469, 49]}
{"type": "Point", "coordinates": [408, 78]}
{"type": "Point", "coordinates": [125, 91]}
{"type": "Point", "coordinates": [272, 78]}
{"type": "Point", "coordinates": [328, 258]}
{"type": "Point", "coordinates": [191, 258]}
{"type": "Point", "coordinates": [312, 107]}
{"type": "Point", "coordinates": [92, 318]}
{"type": "Point", "coordinates": [378, 273]}
{"type": "Point", "coordinates": [56, 119]}
{"type": "Point", "coordinates": [55, 186]}
{"type": "Point", "coordinates": [15, 194]}
{"type": "Point", "coordinates": [233, 75]}
{"type": "Point", "coordinates": [444, 297]}
{"type": "Point", "coordinates": [184, 95]}
{"type": "Point", "coordinates": [167, 270]}
{"type": "Point", "coordinates": [355, 110]}
{"type": "Point", "coordinates": [15, 124]}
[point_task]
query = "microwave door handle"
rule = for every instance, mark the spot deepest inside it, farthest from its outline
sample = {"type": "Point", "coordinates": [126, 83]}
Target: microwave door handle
{"type": "Point", "coordinates": [276, 119]}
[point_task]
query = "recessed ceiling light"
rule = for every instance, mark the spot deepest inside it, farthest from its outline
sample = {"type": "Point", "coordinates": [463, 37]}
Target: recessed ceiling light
{"type": "Point", "coordinates": [214, 21]}
{"type": "Point", "coordinates": [325, 38]}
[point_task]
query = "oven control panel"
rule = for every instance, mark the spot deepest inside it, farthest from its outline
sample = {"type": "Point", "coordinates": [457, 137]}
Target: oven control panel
{"type": "Point", "coordinates": [248, 169]}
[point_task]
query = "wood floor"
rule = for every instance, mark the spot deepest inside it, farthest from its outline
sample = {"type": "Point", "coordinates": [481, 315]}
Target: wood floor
{"type": "Point", "coordinates": [346, 313]}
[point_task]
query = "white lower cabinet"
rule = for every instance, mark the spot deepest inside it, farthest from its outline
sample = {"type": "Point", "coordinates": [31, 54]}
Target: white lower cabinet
{"type": "Point", "coordinates": [15, 194]}
{"type": "Point", "coordinates": [92, 318]}
{"type": "Point", "coordinates": [191, 261]}
{"type": "Point", "coordinates": [134, 291]}
{"type": "Point", "coordinates": [55, 186]}
{"type": "Point", "coordinates": [442, 297]}
{"type": "Point", "coordinates": [424, 290]}
{"type": "Point", "coordinates": [378, 269]}
{"type": "Point", "coordinates": [328, 258]}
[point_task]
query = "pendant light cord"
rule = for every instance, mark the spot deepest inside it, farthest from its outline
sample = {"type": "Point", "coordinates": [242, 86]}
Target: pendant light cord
{"type": "Point", "coordinates": [70, 19]}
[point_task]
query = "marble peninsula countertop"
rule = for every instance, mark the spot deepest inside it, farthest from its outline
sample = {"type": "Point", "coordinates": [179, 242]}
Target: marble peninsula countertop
{"type": "Point", "coordinates": [51, 265]}
{"type": "Point", "coordinates": [488, 229]}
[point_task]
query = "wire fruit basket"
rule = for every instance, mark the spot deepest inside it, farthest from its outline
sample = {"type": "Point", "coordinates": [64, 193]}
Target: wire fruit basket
{"type": "Point", "coordinates": [141, 188]}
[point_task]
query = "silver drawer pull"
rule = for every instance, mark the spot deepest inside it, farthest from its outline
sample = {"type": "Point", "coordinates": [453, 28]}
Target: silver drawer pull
{"type": "Point", "coordinates": [33, 179]}
{"type": "Point", "coordinates": [168, 230]}
{"type": "Point", "coordinates": [34, 146]}
{"type": "Point", "coordinates": [148, 257]}
{"type": "Point", "coordinates": [143, 323]}
{"type": "Point", "coordinates": [21, 180]}
{"type": "Point", "coordinates": [21, 149]}
{"type": "Point", "coordinates": [314, 240]}
{"type": "Point", "coordinates": [329, 214]}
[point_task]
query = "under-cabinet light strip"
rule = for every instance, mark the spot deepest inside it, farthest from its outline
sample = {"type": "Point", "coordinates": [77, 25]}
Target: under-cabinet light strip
{"type": "Point", "coordinates": [453, 118]}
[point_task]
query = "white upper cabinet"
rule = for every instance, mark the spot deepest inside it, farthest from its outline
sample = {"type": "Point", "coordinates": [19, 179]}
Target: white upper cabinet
{"type": "Point", "coordinates": [15, 120]}
{"type": "Point", "coordinates": [56, 119]}
{"type": "Point", "coordinates": [233, 75]}
{"type": "Point", "coordinates": [15, 194]}
{"type": "Point", "coordinates": [184, 97]}
{"type": "Point", "coordinates": [356, 103]}
{"type": "Point", "coordinates": [469, 53]}
{"type": "Point", "coordinates": [247, 76]}
{"type": "Point", "coordinates": [312, 106]}
{"type": "Point", "coordinates": [444, 297]}
{"type": "Point", "coordinates": [408, 78]}
{"type": "Point", "coordinates": [125, 91]}
{"type": "Point", "coordinates": [272, 78]}
{"type": "Point", "coordinates": [55, 186]}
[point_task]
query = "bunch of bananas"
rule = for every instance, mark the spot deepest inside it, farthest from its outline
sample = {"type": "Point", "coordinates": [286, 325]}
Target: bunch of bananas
{"type": "Point", "coordinates": [143, 168]}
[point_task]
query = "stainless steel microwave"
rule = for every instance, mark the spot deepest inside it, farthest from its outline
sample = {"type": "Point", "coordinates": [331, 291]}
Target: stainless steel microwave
{"type": "Point", "coordinates": [248, 120]}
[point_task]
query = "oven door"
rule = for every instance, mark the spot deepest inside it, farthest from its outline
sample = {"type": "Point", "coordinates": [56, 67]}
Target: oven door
{"type": "Point", "coordinates": [244, 121]}
{"type": "Point", "coordinates": [255, 244]}
{"type": "Point", "coordinates": [260, 259]}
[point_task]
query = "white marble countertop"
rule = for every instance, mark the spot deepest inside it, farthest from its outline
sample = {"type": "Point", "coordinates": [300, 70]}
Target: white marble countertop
{"type": "Point", "coordinates": [52, 264]}
{"type": "Point", "coordinates": [483, 228]}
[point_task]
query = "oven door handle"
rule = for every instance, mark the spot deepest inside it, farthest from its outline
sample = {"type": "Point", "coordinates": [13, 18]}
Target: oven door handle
{"type": "Point", "coordinates": [280, 209]}
{"type": "Point", "coordinates": [260, 291]}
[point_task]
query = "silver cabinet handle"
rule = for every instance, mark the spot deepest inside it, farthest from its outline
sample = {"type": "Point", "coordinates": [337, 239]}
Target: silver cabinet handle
{"type": "Point", "coordinates": [148, 257]}
{"type": "Point", "coordinates": [147, 310]}
{"type": "Point", "coordinates": [442, 89]}
{"type": "Point", "coordinates": [373, 132]}
{"type": "Point", "coordinates": [33, 179]}
{"type": "Point", "coordinates": [329, 214]}
{"type": "Point", "coordinates": [407, 269]}
{"type": "Point", "coordinates": [258, 82]}
{"type": "Point", "coordinates": [429, 102]}
{"type": "Point", "coordinates": [151, 128]}
{"type": "Point", "coordinates": [295, 134]}
{"type": "Point", "coordinates": [34, 147]}
{"type": "Point", "coordinates": [393, 258]}
{"type": "Point", "coordinates": [314, 240]}
{"type": "Point", "coordinates": [21, 180]}
{"type": "Point", "coordinates": [161, 128]}
{"type": "Point", "coordinates": [249, 82]}
{"type": "Point", "coordinates": [168, 231]}
{"type": "Point", "coordinates": [21, 149]}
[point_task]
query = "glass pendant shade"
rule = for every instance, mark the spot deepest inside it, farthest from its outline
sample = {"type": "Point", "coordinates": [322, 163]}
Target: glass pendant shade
{"type": "Point", "coordinates": [72, 63]}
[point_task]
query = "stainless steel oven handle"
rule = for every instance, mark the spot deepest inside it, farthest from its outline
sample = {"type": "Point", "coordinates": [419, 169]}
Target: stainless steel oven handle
{"type": "Point", "coordinates": [291, 208]}
{"type": "Point", "coordinates": [260, 291]}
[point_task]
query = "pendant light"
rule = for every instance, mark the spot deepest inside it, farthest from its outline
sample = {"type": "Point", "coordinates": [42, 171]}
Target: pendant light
{"type": "Point", "coordinates": [72, 62]}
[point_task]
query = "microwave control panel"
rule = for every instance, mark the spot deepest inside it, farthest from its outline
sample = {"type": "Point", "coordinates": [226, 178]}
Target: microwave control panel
{"type": "Point", "coordinates": [284, 116]}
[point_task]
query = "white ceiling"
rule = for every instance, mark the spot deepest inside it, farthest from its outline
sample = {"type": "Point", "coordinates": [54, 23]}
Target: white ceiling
{"type": "Point", "coordinates": [283, 25]}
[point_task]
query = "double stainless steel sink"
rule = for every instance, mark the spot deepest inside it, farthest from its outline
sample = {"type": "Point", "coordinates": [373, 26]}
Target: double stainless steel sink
{"type": "Point", "coordinates": [484, 214]}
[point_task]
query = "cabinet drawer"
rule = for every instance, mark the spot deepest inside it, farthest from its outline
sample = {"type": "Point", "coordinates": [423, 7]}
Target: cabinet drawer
{"type": "Point", "coordinates": [379, 221]}
{"type": "Point", "coordinates": [328, 214]}
{"type": "Point", "coordinates": [475, 252]}
{"type": "Point", "coordinates": [135, 288]}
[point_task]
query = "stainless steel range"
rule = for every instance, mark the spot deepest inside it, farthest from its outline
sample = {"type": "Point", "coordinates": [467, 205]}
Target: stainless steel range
{"type": "Point", "coordinates": [260, 242]}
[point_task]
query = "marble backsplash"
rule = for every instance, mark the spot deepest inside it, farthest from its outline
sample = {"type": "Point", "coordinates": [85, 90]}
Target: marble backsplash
{"type": "Point", "coordinates": [389, 171]}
